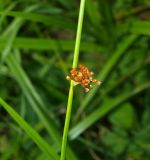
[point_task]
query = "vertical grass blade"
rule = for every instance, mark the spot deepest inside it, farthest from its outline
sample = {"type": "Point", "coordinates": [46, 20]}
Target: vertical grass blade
{"type": "Point", "coordinates": [75, 63]}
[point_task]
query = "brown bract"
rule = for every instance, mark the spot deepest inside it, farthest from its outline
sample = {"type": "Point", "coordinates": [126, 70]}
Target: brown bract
{"type": "Point", "coordinates": [83, 76]}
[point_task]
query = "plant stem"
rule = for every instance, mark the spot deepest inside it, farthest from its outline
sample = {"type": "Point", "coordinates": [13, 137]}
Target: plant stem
{"type": "Point", "coordinates": [79, 31]}
{"type": "Point", "coordinates": [70, 97]}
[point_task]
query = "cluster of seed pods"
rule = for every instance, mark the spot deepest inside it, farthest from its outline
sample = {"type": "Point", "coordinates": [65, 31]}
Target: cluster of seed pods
{"type": "Point", "coordinates": [83, 76]}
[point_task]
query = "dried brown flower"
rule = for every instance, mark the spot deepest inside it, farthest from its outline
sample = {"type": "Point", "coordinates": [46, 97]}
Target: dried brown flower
{"type": "Point", "coordinates": [83, 76]}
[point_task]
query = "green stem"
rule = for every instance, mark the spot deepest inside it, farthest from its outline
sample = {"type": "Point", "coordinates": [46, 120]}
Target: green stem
{"type": "Point", "coordinates": [79, 31]}
{"type": "Point", "coordinates": [70, 97]}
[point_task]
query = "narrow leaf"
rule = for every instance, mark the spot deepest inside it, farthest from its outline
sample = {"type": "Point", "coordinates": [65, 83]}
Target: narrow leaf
{"type": "Point", "coordinates": [54, 21]}
{"type": "Point", "coordinates": [49, 44]}
{"type": "Point", "coordinates": [41, 143]}
{"type": "Point", "coordinates": [112, 61]}
{"type": "Point", "coordinates": [108, 105]}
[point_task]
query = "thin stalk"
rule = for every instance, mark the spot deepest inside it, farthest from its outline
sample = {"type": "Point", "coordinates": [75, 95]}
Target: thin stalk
{"type": "Point", "coordinates": [79, 31]}
{"type": "Point", "coordinates": [70, 97]}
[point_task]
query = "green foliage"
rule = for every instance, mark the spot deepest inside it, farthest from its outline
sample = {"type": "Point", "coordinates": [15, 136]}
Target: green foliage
{"type": "Point", "coordinates": [124, 117]}
{"type": "Point", "coordinates": [37, 40]}
{"type": "Point", "coordinates": [32, 133]}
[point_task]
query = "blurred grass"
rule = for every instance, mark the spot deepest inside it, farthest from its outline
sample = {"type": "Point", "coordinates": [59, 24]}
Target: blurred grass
{"type": "Point", "coordinates": [49, 44]}
{"type": "Point", "coordinates": [33, 134]}
{"type": "Point", "coordinates": [37, 39]}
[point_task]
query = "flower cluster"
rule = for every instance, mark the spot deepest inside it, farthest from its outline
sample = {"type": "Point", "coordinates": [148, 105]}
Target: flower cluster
{"type": "Point", "coordinates": [83, 76]}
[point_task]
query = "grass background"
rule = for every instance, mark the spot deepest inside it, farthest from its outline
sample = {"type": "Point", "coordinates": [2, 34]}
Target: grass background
{"type": "Point", "coordinates": [37, 40]}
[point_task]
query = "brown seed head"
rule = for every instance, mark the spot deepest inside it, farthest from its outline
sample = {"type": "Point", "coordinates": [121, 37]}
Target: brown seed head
{"type": "Point", "coordinates": [83, 76]}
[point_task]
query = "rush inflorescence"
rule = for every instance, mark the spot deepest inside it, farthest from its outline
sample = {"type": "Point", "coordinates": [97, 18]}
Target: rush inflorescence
{"type": "Point", "coordinates": [82, 76]}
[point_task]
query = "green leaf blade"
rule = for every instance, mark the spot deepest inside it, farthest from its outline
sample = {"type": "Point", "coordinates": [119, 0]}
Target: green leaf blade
{"type": "Point", "coordinates": [30, 131]}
